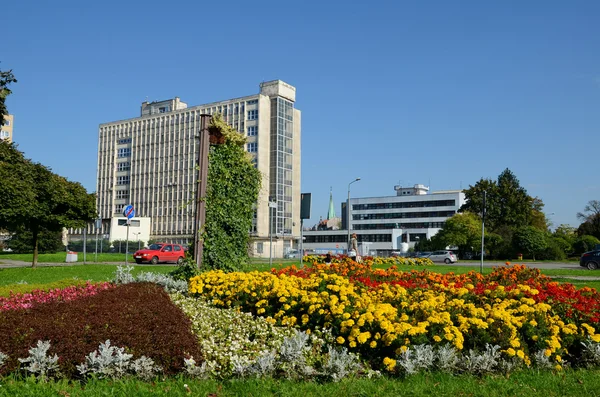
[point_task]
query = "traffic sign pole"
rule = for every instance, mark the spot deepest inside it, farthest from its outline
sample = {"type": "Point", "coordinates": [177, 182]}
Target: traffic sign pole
{"type": "Point", "coordinates": [127, 242]}
{"type": "Point", "coordinates": [129, 213]}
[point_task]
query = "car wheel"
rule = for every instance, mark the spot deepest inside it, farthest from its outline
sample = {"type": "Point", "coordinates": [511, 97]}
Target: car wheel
{"type": "Point", "coordinates": [447, 261]}
{"type": "Point", "coordinates": [154, 260]}
{"type": "Point", "coordinates": [592, 265]}
{"type": "Point", "coordinates": [180, 260]}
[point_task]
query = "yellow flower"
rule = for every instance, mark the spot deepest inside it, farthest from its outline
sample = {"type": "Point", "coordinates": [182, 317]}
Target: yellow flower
{"type": "Point", "coordinates": [373, 344]}
{"type": "Point", "coordinates": [437, 338]}
{"type": "Point", "coordinates": [389, 363]}
{"type": "Point", "coordinates": [340, 340]}
{"type": "Point", "coordinates": [510, 351]}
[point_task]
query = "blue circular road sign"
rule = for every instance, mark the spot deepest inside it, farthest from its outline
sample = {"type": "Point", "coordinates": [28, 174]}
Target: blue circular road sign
{"type": "Point", "coordinates": [129, 212]}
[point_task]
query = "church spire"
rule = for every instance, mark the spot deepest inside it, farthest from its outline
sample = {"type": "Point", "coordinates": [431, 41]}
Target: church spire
{"type": "Point", "coordinates": [331, 212]}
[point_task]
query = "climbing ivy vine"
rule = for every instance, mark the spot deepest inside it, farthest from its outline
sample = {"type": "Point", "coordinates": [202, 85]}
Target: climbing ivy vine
{"type": "Point", "coordinates": [232, 190]}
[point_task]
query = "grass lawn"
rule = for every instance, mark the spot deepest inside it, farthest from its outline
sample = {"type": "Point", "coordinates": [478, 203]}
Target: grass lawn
{"type": "Point", "coordinates": [523, 383]}
{"type": "Point", "coordinates": [49, 274]}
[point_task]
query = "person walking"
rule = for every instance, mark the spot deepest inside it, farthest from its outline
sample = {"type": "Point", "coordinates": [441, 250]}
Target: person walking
{"type": "Point", "coordinates": [353, 247]}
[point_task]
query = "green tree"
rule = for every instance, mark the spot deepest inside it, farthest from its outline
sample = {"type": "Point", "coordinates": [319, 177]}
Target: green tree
{"type": "Point", "coordinates": [232, 191]}
{"type": "Point", "coordinates": [6, 78]}
{"type": "Point", "coordinates": [461, 230]}
{"type": "Point", "coordinates": [530, 240]}
{"type": "Point", "coordinates": [474, 201]}
{"type": "Point", "coordinates": [515, 204]}
{"type": "Point", "coordinates": [507, 203]}
{"type": "Point", "coordinates": [590, 218]}
{"type": "Point", "coordinates": [38, 200]}
{"type": "Point", "coordinates": [21, 241]}
{"type": "Point", "coordinates": [585, 243]}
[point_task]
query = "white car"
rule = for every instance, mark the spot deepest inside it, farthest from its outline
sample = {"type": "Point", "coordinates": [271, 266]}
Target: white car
{"type": "Point", "coordinates": [443, 256]}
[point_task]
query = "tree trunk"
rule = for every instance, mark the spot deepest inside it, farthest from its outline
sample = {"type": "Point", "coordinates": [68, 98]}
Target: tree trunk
{"type": "Point", "coordinates": [35, 247]}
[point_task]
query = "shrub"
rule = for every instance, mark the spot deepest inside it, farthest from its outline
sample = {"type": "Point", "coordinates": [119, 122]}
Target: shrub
{"type": "Point", "coordinates": [139, 317]}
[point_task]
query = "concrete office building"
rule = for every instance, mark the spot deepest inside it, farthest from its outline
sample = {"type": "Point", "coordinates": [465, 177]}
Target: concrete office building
{"type": "Point", "coordinates": [390, 223]}
{"type": "Point", "coordinates": [149, 162]}
{"type": "Point", "coordinates": [6, 132]}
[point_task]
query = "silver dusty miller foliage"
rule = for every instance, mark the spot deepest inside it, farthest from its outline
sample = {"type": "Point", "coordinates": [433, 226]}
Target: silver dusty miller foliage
{"type": "Point", "coordinates": [123, 276]}
{"type": "Point", "coordinates": [112, 362]}
{"type": "Point", "coordinates": [39, 363]}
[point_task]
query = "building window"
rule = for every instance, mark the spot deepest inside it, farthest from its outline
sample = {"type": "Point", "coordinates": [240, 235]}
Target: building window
{"type": "Point", "coordinates": [123, 180]}
{"type": "Point", "coordinates": [252, 130]}
{"type": "Point", "coordinates": [119, 208]}
{"type": "Point", "coordinates": [122, 194]}
{"type": "Point", "coordinates": [252, 147]}
{"type": "Point", "coordinates": [259, 248]}
{"type": "Point", "coordinates": [124, 166]}
{"type": "Point", "coordinates": [252, 102]}
{"type": "Point", "coordinates": [253, 114]}
{"type": "Point", "coordinates": [7, 122]}
{"type": "Point", "coordinates": [124, 152]}
{"type": "Point", "coordinates": [123, 141]}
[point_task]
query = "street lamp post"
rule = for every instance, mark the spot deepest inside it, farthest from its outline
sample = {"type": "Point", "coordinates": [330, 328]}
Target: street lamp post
{"type": "Point", "coordinates": [348, 214]}
{"type": "Point", "coordinates": [138, 238]}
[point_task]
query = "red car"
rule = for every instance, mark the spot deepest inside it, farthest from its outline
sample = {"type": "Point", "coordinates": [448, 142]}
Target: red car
{"type": "Point", "coordinates": [160, 252]}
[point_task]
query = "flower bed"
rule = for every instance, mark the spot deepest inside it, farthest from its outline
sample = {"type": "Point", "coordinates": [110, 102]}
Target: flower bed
{"type": "Point", "coordinates": [27, 300]}
{"type": "Point", "coordinates": [139, 317]}
{"type": "Point", "coordinates": [370, 260]}
{"type": "Point", "coordinates": [382, 313]}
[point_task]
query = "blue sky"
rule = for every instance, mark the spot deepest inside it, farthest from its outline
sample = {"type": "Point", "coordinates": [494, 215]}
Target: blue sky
{"type": "Point", "coordinates": [440, 93]}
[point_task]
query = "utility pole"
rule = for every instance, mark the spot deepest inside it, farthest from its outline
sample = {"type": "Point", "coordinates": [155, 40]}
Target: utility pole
{"type": "Point", "coordinates": [201, 188]}
{"type": "Point", "coordinates": [482, 233]}
{"type": "Point", "coordinates": [98, 226]}
{"type": "Point", "coordinates": [348, 216]}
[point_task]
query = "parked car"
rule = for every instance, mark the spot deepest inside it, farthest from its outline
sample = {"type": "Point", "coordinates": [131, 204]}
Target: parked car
{"type": "Point", "coordinates": [160, 252]}
{"type": "Point", "coordinates": [423, 254]}
{"type": "Point", "coordinates": [291, 254]}
{"type": "Point", "coordinates": [590, 260]}
{"type": "Point", "coordinates": [443, 256]}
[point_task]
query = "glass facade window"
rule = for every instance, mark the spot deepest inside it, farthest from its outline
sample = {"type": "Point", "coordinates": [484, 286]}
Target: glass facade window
{"type": "Point", "coordinates": [404, 204]}
{"type": "Point", "coordinates": [124, 166]}
{"type": "Point", "coordinates": [124, 152]}
{"type": "Point", "coordinates": [253, 114]}
{"type": "Point", "coordinates": [252, 130]}
{"type": "Point", "coordinates": [402, 215]}
{"type": "Point", "coordinates": [252, 147]}
{"type": "Point", "coordinates": [281, 163]}
{"type": "Point", "coordinates": [122, 194]}
{"type": "Point", "coordinates": [123, 180]}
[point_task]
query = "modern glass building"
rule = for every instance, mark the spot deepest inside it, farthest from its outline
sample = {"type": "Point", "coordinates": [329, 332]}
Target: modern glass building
{"type": "Point", "coordinates": [383, 224]}
{"type": "Point", "coordinates": [150, 162]}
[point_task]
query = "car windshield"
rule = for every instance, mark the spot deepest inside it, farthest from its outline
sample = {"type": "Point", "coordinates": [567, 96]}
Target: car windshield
{"type": "Point", "coordinates": [155, 247]}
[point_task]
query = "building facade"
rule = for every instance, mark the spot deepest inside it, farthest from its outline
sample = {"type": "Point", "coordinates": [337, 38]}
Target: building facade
{"type": "Point", "coordinates": [150, 162]}
{"type": "Point", "coordinates": [6, 132]}
{"type": "Point", "coordinates": [389, 223]}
